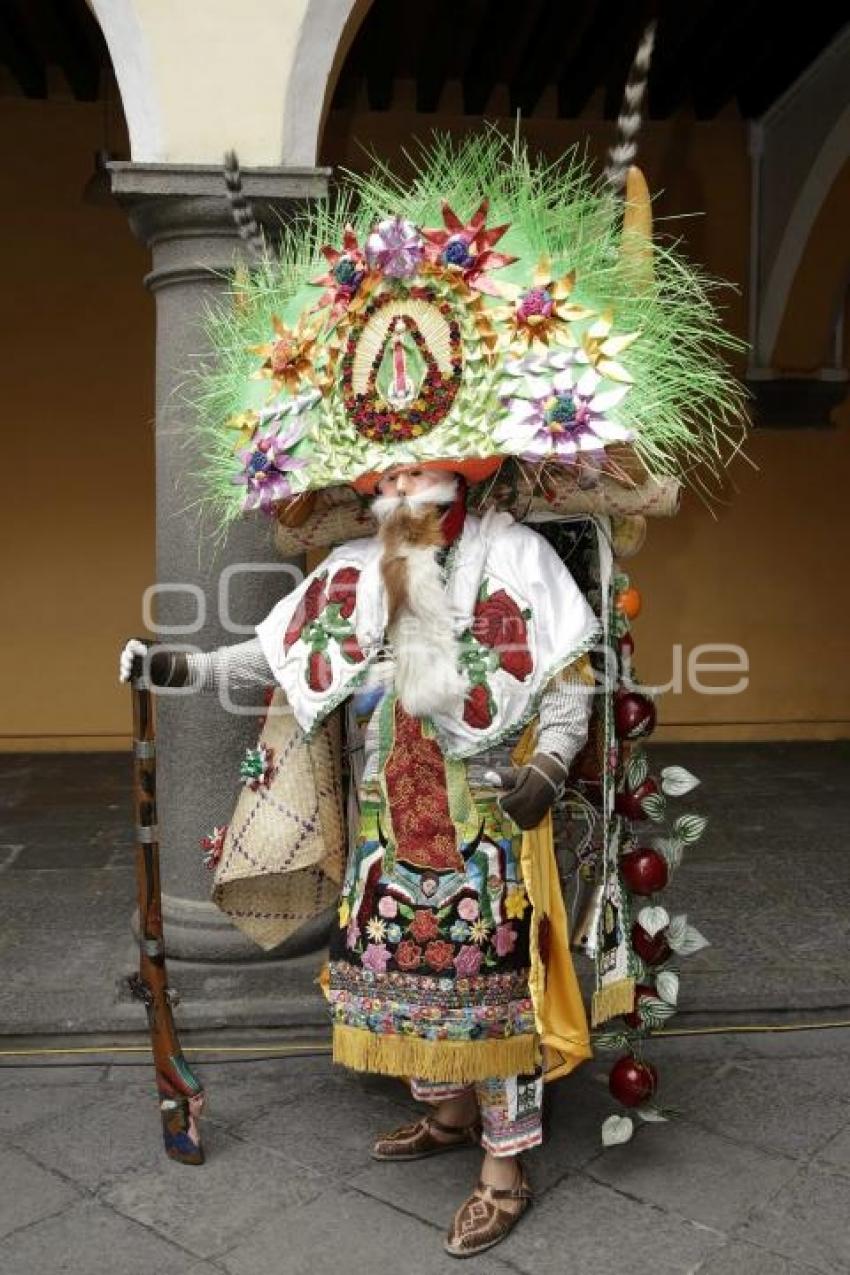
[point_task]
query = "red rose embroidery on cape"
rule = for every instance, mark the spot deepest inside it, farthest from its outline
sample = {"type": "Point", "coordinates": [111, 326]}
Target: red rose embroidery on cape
{"type": "Point", "coordinates": [500, 624]}
{"type": "Point", "coordinates": [477, 711]}
{"type": "Point", "coordinates": [343, 590]}
{"type": "Point", "coordinates": [310, 607]}
{"type": "Point", "coordinates": [351, 651]}
{"type": "Point", "coordinates": [319, 671]}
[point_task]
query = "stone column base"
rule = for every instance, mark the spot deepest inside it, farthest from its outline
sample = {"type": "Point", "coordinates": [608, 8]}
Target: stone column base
{"type": "Point", "coordinates": [196, 930]}
{"type": "Point", "coordinates": [280, 993]}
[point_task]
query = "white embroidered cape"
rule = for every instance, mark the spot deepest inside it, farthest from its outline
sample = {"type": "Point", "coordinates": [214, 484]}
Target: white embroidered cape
{"type": "Point", "coordinates": [323, 636]}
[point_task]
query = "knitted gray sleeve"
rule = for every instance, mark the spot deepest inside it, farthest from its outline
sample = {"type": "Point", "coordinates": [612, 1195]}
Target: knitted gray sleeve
{"type": "Point", "coordinates": [239, 667]}
{"type": "Point", "coordinates": [563, 717]}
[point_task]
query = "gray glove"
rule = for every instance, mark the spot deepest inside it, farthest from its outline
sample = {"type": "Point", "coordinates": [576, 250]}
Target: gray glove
{"type": "Point", "coordinates": [530, 790]}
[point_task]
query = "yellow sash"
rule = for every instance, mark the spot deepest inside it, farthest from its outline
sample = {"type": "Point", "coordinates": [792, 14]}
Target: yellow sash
{"type": "Point", "coordinates": [559, 1011]}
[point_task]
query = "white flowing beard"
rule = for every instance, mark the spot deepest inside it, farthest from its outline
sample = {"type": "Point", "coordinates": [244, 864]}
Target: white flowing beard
{"type": "Point", "coordinates": [427, 679]}
{"type": "Point", "coordinates": [441, 492]}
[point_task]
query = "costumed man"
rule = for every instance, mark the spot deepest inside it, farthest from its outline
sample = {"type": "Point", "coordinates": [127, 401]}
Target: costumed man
{"type": "Point", "coordinates": [475, 638]}
{"type": "Point", "coordinates": [455, 642]}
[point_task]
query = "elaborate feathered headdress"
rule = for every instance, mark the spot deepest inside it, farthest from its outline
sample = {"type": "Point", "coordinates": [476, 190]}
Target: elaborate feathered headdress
{"type": "Point", "coordinates": [493, 306]}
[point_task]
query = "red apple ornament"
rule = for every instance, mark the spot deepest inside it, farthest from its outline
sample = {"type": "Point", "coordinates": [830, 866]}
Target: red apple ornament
{"type": "Point", "coordinates": [651, 948]}
{"type": "Point", "coordinates": [642, 989]}
{"type": "Point", "coordinates": [634, 715]}
{"type": "Point", "coordinates": [631, 1081]}
{"type": "Point", "coordinates": [628, 803]}
{"type": "Point", "coordinates": [644, 870]}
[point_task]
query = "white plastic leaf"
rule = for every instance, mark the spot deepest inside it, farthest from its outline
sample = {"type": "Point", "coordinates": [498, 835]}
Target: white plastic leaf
{"type": "Point", "coordinates": [653, 807]}
{"type": "Point", "coordinates": [671, 849]}
{"type": "Point", "coordinates": [616, 1130]}
{"type": "Point", "coordinates": [652, 1115]}
{"type": "Point", "coordinates": [676, 781]}
{"type": "Point", "coordinates": [676, 930]}
{"type": "Point", "coordinates": [653, 919]}
{"type": "Point", "coordinates": [692, 942]}
{"type": "Point", "coordinates": [689, 828]}
{"type": "Point", "coordinates": [667, 986]}
{"type": "Point", "coordinates": [637, 770]}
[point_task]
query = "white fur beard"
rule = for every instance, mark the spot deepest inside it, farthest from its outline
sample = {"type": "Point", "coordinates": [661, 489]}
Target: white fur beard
{"type": "Point", "coordinates": [440, 492]}
{"type": "Point", "coordinates": [427, 679]}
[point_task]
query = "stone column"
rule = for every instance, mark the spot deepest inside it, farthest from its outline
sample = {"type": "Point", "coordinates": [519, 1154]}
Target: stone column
{"type": "Point", "coordinates": [181, 213]}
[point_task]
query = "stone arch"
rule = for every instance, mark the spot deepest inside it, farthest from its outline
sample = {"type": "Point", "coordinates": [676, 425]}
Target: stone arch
{"type": "Point", "coordinates": [814, 245]}
{"type": "Point", "coordinates": [132, 63]}
{"type": "Point", "coordinates": [324, 38]}
{"type": "Point", "coordinates": [818, 287]}
{"type": "Point", "coordinates": [256, 76]}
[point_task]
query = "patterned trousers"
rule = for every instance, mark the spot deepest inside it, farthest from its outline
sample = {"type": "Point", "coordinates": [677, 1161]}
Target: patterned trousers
{"type": "Point", "coordinates": [511, 1109]}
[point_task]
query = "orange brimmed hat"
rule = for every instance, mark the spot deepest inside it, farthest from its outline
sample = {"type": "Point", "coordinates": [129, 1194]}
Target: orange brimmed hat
{"type": "Point", "coordinates": [474, 471]}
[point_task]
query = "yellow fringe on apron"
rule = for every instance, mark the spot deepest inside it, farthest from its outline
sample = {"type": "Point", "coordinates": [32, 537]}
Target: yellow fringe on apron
{"type": "Point", "coordinates": [461, 1061]}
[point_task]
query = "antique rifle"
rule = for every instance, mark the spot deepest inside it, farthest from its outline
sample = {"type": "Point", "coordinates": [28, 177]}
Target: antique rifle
{"type": "Point", "coordinates": [181, 1096]}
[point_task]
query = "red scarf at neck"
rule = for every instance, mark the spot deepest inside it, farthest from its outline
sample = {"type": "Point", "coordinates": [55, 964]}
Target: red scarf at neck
{"type": "Point", "coordinates": [451, 523]}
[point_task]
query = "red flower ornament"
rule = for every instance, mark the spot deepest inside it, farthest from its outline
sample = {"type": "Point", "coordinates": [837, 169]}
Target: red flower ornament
{"type": "Point", "coordinates": [468, 247]}
{"type": "Point", "coordinates": [213, 846]}
{"type": "Point", "coordinates": [348, 269]}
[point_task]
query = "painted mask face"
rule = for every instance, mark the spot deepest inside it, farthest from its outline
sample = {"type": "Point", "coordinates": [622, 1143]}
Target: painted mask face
{"type": "Point", "coordinates": [414, 481]}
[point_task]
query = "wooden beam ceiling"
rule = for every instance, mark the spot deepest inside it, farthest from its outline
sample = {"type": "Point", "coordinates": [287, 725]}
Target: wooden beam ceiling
{"type": "Point", "coordinates": [20, 56]}
{"type": "Point", "coordinates": [709, 54]}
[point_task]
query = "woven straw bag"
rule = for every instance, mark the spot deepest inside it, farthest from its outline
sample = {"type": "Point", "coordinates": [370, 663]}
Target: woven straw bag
{"type": "Point", "coordinates": [284, 852]}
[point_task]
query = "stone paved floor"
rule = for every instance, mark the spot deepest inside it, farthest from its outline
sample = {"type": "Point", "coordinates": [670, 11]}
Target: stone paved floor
{"type": "Point", "coordinates": [752, 1176]}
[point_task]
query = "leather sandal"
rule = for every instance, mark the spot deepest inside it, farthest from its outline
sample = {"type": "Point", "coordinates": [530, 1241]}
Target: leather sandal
{"type": "Point", "coordinates": [415, 1141]}
{"type": "Point", "coordinates": [480, 1223]}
